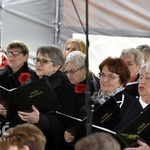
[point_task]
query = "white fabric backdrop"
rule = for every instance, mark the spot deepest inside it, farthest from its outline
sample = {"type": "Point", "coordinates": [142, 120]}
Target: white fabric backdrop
{"type": "Point", "coordinates": [33, 21]}
{"type": "Point", "coordinates": [103, 46]}
{"type": "Point", "coordinates": [30, 21]}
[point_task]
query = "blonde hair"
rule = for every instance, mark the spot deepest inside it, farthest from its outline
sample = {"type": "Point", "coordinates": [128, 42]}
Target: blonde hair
{"type": "Point", "coordinates": [82, 46]}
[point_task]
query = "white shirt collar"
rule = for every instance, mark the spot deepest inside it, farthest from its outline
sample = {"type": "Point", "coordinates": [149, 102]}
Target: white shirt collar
{"type": "Point", "coordinates": [143, 104]}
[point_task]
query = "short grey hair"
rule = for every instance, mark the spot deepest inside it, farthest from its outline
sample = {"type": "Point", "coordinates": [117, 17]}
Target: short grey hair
{"type": "Point", "coordinates": [138, 56]}
{"type": "Point", "coordinates": [54, 53]}
{"type": "Point", "coordinates": [76, 57]}
{"type": "Point", "coordinates": [146, 67]}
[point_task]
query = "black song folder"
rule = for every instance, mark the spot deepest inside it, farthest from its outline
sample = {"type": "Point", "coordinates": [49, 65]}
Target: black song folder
{"type": "Point", "coordinates": [139, 128]}
{"type": "Point", "coordinates": [108, 114]}
{"type": "Point", "coordinates": [38, 93]}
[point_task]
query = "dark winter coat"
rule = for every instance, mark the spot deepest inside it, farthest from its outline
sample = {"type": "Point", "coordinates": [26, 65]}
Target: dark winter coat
{"type": "Point", "coordinates": [9, 80]}
{"type": "Point", "coordinates": [51, 126]}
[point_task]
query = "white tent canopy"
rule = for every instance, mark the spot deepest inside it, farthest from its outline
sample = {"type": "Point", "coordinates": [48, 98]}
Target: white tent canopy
{"type": "Point", "coordinates": [44, 22]}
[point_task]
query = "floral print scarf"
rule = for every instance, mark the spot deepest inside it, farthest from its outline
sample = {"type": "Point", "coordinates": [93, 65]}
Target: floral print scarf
{"type": "Point", "coordinates": [100, 97]}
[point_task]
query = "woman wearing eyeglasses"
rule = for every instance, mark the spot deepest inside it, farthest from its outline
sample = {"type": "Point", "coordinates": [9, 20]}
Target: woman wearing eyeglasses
{"type": "Point", "coordinates": [75, 70]}
{"type": "Point", "coordinates": [17, 57]}
{"type": "Point", "coordinates": [114, 75]}
{"type": "Point", "coordinates": [48, 61]}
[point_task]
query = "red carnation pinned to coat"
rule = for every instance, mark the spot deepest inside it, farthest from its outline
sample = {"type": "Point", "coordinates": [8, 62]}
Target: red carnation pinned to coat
{"type": "Point", "coordinates": [3, 60]}
{"type": "Point", "coordinates": [24, 76]}
{"type": "Point", "coordinates": [80, 88]}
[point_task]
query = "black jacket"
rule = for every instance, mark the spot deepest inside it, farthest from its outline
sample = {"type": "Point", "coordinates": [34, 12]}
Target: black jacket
{"type": "Point", "coordinates": [51, 126]}
{"type": "Point", "coordinates": [132, 111]}
{"type": "Point", "coordinates": [9, 80]}
{"type": "Point", "coordinates": [132, 90]}
{"type": "Point", "coordinates": [78, 131]}
{"type": "Point", "coordinates": [81, 97]}
{"type": "Point", "coordinates": [124, 100]}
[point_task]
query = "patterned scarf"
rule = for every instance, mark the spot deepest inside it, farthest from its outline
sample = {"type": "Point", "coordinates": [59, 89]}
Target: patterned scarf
{"type": "Point", "coordinates": [101, 97]}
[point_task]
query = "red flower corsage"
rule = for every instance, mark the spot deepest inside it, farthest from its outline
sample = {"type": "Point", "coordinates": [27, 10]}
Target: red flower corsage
{"type": "Point", "coordinates": [24, 77]}
{"type": "Point", "coordinates": [4, 62]}
{"type": "Point", "coordinates": [80, 88]}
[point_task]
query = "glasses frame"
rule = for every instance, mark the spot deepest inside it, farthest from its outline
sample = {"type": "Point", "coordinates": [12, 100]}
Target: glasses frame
{"type": "Point", "coordinates": [14, 53]}
{"type": "Point", "coordinates": [72, 72]}
{"type": "Point", "coordinates": [110, 77]}
{"type": "Point", "coordinates": [42, 61]}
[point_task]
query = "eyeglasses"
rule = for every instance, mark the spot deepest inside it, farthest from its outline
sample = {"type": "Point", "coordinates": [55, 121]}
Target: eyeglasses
{"type": "Point", "coordinates": [72, 72]}
{"type": "Point", "coordinates": [42, 61]}
{"type": "Point", "coordinates": [14, 53]}
{"type": "Point", "coordinates": [109, 76]}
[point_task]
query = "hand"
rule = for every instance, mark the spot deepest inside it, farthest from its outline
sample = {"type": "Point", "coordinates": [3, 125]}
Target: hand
{"type": "Point", "coordinates": [32, 117]}
{"type": "Point", "coordinates": [142, 146]}
{"type": "Point", "coordinates": [68, 137]}
{"type": "Point", "coordinates": [3, 110]}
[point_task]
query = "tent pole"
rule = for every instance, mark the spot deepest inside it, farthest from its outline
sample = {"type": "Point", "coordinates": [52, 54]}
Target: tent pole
{"type": "Point", "coordinates": [57, 22]}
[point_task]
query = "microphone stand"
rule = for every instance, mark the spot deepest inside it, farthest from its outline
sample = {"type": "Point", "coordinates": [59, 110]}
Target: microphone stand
{"type": "Point", "coordinates": [88, 81]}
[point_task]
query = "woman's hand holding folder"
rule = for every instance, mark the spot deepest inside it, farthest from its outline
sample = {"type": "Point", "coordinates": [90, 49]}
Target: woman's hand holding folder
{"type": "Point", "coordinates": [31, 117]}
{"type": "Point", "coordinates": [3, 110]}
{"type": "Point", "coordinates": [142, 146]}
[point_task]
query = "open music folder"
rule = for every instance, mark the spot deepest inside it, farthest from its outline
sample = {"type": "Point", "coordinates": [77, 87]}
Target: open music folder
{"type": "Point", "coordinates": [138, 128]}
{"type": "Point", "coordinates": [38, 93]}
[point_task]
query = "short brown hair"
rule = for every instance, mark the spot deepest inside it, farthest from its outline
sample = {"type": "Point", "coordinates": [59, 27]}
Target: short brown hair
{"type": "Point", "coordinates": [18, 44]}
{"type": "Point", "coordinates": [21, 135]}
{"type": "Point", "coordinates": [118, 66]}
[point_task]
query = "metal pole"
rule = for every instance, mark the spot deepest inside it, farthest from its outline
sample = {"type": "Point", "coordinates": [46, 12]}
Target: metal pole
{"type": "Point", "coordinates": [88, 93]}
{"type": "Point", "coordinates": [57, 23]}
